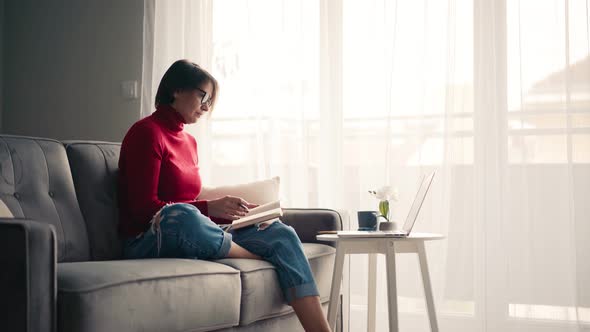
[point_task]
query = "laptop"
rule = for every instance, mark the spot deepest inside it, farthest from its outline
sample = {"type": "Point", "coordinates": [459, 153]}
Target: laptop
{"type": "Point", "coordinates": [410, 219]}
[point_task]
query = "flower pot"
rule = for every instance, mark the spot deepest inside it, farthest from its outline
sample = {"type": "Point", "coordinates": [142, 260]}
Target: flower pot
{"type": "Point", "coordinates": [387, 226]}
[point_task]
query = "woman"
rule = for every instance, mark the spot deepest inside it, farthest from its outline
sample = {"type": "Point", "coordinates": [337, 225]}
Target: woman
{"type": "Point", "coordinates": [158, 184]}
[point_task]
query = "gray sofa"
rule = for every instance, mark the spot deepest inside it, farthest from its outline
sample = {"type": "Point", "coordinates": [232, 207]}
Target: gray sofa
{"type": "Point", "coordinates": [61, 266]}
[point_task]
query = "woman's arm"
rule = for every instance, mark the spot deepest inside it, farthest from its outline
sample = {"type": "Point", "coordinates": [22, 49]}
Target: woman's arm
{"type": "Point", "coordinates": [142, 150]}
{"type": "Point", "coordinates": [225, 209]}
{"type": "Point", "coordinates": [203, 206]}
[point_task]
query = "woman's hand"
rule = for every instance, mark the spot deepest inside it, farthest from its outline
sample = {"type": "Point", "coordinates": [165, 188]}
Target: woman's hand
{"type": "Point", "coordinates": [229, 207]}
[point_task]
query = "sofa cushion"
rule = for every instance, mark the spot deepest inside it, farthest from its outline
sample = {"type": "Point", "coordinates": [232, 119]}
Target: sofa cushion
{"type": "Point", "coordinates": [94, 169]}
{"type": "Point", "coordinates": [36, 184]}
{"type": "Point", "coordinates": [261, 295]}
{"type": "Point", "coordinates": [147, 295]}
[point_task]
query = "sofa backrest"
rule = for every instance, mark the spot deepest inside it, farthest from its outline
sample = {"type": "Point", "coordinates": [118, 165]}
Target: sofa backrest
{"type": "Point", "coordinates": [36, 183]}
{"type": "Point", "coordinates": [94, 168]}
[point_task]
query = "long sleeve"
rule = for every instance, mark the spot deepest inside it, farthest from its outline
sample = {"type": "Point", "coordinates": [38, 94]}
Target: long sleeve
{"type": "Point", "coordinates": [202, 206]}
{"type": "Point", "coordinates": [143, 157]}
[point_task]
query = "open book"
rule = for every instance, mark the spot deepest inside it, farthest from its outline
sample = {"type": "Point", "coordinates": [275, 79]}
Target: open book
{"type": "Point", "coordinates": [265, 212]}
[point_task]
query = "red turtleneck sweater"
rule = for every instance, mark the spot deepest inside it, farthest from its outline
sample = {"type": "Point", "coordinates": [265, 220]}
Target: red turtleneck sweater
{"type": "Point", "coordinates": [158, 164]}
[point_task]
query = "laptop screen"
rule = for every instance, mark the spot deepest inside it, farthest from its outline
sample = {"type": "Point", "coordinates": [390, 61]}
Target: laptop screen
{"type": "Point", "coordinates": [418, 200]}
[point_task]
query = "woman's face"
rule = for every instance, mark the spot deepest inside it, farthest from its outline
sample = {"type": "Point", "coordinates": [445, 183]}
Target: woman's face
{"type": "Point", "coordinates": [192, 104]}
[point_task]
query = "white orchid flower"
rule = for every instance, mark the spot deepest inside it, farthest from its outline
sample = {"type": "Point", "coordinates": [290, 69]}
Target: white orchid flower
{"type": "Point", "coordinates": [387, 193]}
{"type": "Point", "coordinates": [384, 195]}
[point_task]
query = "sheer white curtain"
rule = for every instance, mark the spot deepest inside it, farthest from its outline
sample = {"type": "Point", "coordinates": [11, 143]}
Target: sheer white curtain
{"type": "Point", "coordinates": [342, 96]}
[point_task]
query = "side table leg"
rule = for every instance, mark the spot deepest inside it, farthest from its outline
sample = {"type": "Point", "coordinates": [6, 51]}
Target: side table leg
{"type": "Point", "coordinates": [391, 286]}
{"type": "Point", "coordinates": [336, 282]}
{"type": "Point", "coordinates": [427, 286]}
{"type": "Point", "coordinates": [372, 305]}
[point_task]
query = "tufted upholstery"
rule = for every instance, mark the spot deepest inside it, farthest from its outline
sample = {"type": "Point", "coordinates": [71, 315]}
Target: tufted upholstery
{"type": "Point", "coordinates": [94, 169]}
{"type": "Point", "coordinates": [36, 183]}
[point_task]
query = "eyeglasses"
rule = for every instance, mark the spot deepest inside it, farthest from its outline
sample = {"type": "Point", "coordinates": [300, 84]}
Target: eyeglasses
{"type": "Point", "coordinates": [206, 99]}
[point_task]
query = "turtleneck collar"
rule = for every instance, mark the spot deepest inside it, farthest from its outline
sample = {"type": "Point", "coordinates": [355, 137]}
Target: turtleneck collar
{"type": "Point", "coordinates": [168, 116]}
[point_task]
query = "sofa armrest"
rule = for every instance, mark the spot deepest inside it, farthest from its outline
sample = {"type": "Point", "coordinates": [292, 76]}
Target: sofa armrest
{"type": "Point", "coordinates": [308, 222]}
{"type": "Point", "coordinates": [28, 282]}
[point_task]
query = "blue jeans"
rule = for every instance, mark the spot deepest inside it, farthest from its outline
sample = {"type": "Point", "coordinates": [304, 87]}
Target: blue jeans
{"type": "Point", "coordinates": [184, 232]}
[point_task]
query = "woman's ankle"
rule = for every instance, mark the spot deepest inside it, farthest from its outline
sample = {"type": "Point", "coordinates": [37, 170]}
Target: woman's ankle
{"type": "Point", "coordinates": [236, 251]}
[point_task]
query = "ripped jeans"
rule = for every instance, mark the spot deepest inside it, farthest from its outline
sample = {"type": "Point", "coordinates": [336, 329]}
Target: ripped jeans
{"type": "Point", "coordinates": [183, 232]}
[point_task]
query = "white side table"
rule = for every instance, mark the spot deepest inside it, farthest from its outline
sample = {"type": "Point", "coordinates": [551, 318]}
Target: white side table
{"type": "Point", "coordinates": [388, 246]}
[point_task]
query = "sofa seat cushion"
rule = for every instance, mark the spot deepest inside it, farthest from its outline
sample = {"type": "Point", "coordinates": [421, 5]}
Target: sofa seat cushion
{"type": "Point", "coordinates": [261, 295]}
{"type": "Point", "coordinates": [147, 295]}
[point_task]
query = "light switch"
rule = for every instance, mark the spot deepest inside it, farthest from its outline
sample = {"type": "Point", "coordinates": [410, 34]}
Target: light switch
{"type": "Point", "coordinates": [129, 89]}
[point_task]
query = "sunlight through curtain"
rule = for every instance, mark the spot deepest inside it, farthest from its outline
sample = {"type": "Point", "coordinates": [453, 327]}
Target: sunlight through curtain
{"type": "Point", "coordinates": [338, 97]}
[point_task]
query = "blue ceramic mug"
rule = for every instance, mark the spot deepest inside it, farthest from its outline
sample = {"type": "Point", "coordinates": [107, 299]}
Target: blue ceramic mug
{"type": "Point", "coordinates": [369, 220]}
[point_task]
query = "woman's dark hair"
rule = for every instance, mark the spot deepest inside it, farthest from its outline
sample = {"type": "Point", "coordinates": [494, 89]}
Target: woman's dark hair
{"type": "Point", "coordinates": [181, 76]}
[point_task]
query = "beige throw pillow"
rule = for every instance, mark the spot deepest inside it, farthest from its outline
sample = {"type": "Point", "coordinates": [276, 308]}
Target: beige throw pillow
{"type": "Point", "coordinates": [257, 192]}
{"type": "Point", "coordinates": [4, 211]}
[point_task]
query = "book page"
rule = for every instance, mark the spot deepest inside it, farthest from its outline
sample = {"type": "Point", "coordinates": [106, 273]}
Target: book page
{"type": "Point", "coordinates": [261, 213]}
{"type": "Point", "coordinates": [262, 208]}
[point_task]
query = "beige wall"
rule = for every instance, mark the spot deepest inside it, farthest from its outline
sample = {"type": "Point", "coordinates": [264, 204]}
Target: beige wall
{"type": "Point", "coordinates": [64, 61]}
